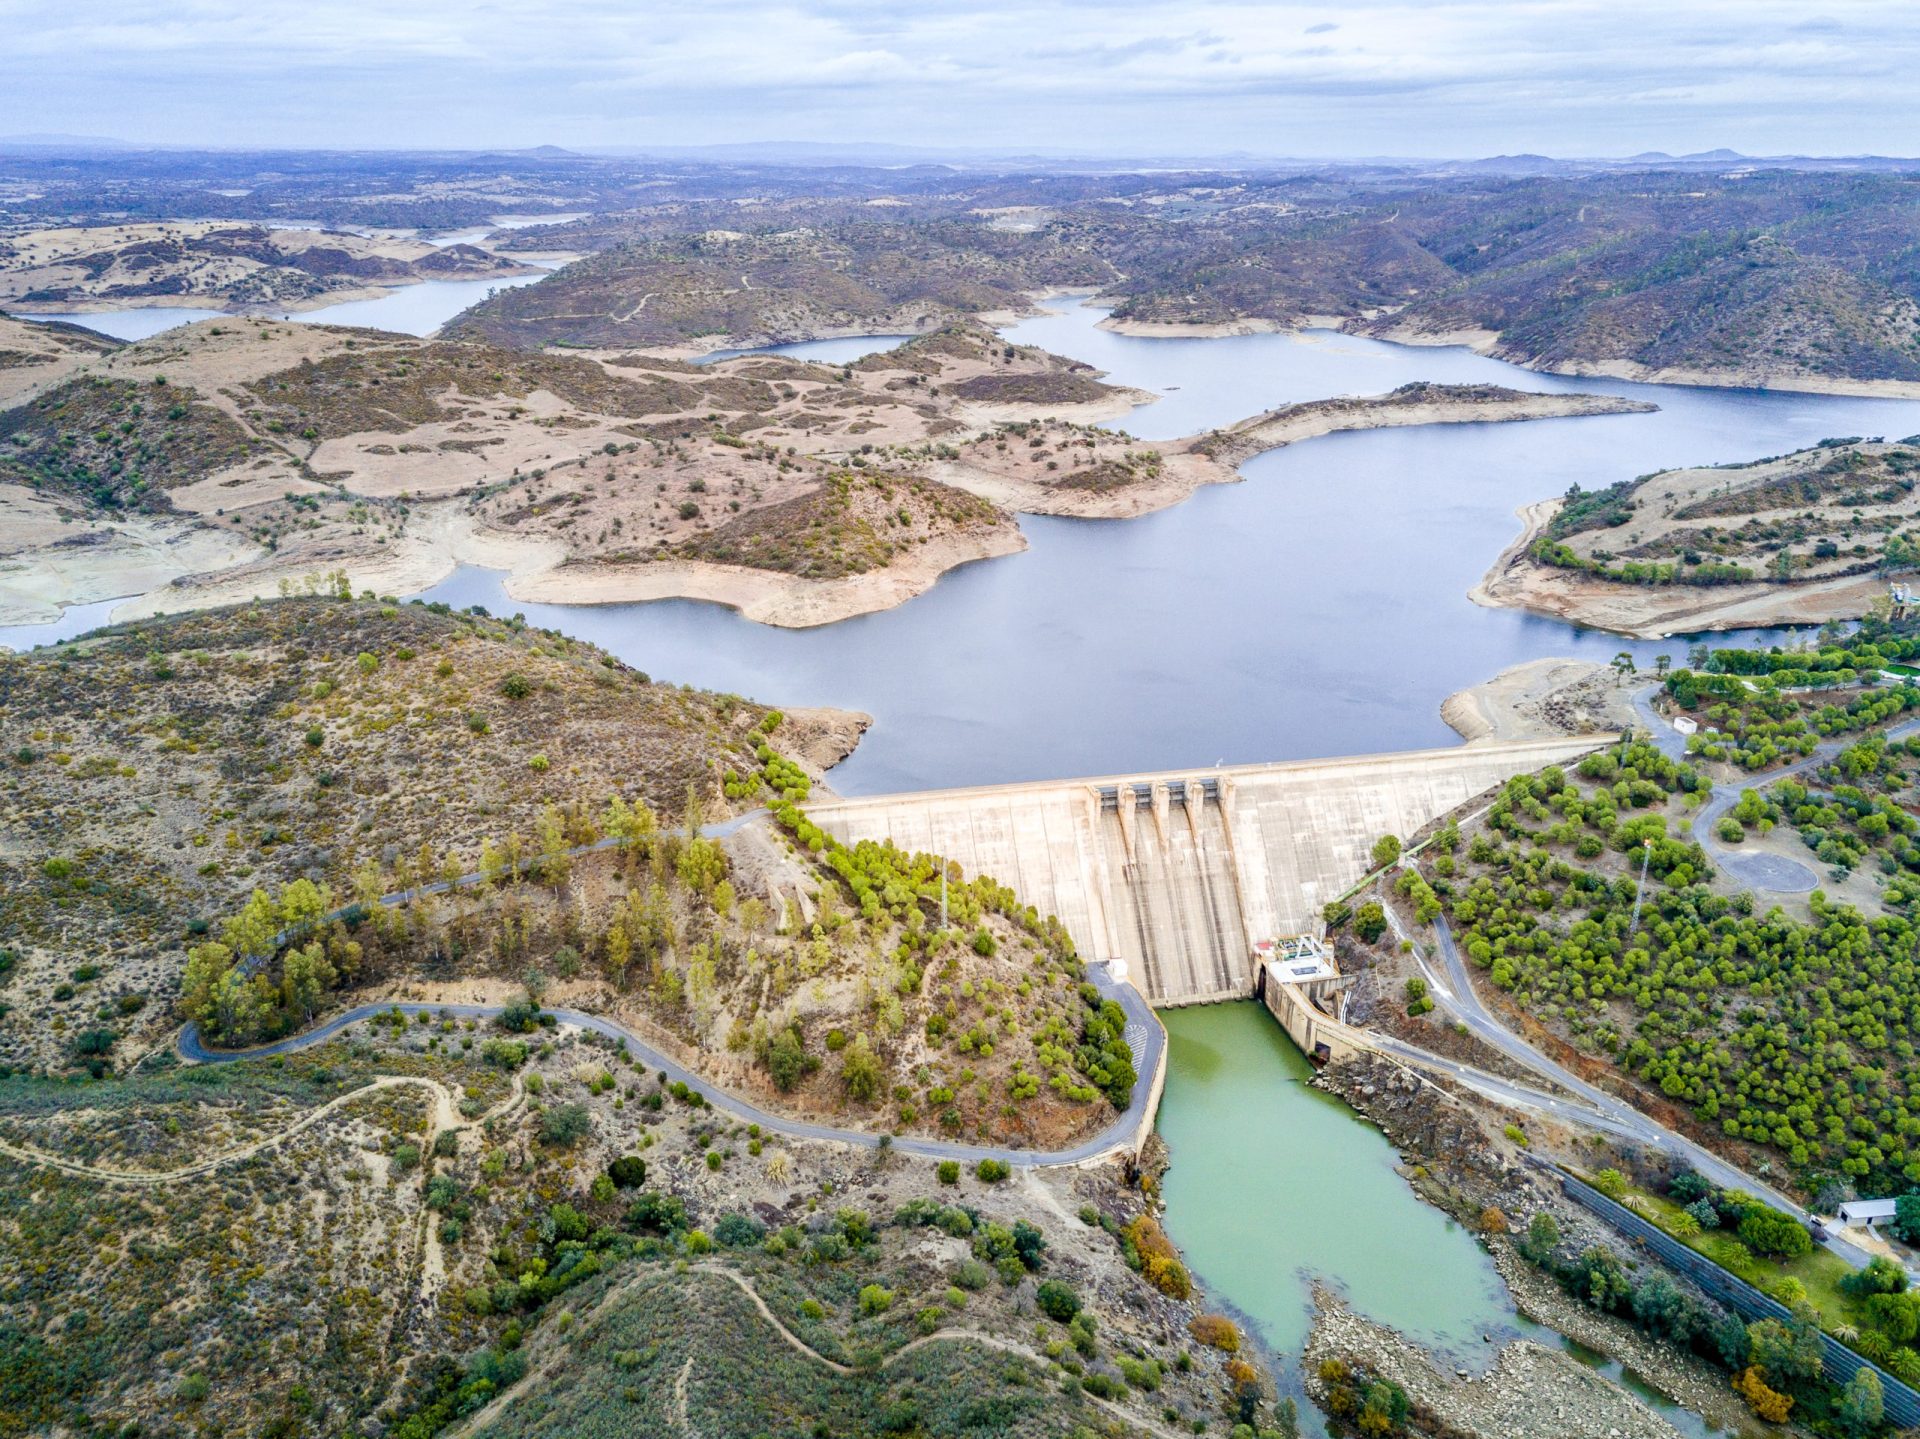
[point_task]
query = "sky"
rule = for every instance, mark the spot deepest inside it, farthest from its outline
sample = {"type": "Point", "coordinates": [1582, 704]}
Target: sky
{"type": "Point", "coordinates": [1095, 77]}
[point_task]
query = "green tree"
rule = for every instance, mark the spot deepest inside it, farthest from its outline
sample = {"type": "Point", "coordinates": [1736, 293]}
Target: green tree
{"type": "Point", "coordinates": [1386, 850]}
{"type": "Point", "coordinates": [1861, 1409]}
{"type": "Point", "coordinates": [566, 1125]}
{"type": "Point", "coordinates": [1057, 1301]}
{"type": "Point", "coordinates": [1543, 1235]}
{"type": "Point", "coordinates": [1906, 1218]}
{"type": "Point", "coordinates": [305, 977]}
{"type": "Point", "coordinates": [786, 1060]}
{"type": "Point", "coordinates": [1786, 1352]}
{"type": "Point", "coordinates": [251, 932]}
{"type": "Point", "coordinates": [236, 1007]}
{"type": "Point", "coordinates": [860, 1072]}
{"type": "Point", "coordinates": [207, 965]}
{"type": "Point", "coordinates": [1767, 1231]}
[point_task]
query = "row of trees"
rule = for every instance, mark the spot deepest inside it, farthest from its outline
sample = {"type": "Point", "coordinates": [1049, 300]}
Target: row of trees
{"type": "Point", "coordinates": [1774, 1364]}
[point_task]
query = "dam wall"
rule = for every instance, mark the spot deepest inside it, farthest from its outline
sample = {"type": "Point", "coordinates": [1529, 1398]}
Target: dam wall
{"type": "Point", "coordinates": [1176, 874]}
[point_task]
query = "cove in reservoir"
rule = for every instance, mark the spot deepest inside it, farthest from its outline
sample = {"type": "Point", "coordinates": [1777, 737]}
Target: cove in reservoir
{"type": "Point", "coordinates": [1318, 608]}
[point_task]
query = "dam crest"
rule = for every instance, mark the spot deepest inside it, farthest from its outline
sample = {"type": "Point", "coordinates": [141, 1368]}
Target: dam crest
{"type": "Point", "coordinates": [1180, 874]}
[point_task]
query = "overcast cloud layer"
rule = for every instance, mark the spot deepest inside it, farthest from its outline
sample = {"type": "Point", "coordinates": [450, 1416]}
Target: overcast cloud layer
{"type": "Point", "coordinates": [1137, 77]}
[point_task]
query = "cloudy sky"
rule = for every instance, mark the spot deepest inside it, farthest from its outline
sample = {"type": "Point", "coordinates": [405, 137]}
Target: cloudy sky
{"type": "Point", "coordinates": [1140, 77]}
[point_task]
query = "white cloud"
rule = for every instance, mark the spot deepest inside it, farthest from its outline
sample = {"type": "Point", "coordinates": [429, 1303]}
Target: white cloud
{"type": "Point", "coordinates": [1454, 76]}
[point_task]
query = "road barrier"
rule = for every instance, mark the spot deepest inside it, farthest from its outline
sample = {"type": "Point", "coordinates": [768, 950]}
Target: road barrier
{"type": "Point", "coordinates": [1838, 1362]}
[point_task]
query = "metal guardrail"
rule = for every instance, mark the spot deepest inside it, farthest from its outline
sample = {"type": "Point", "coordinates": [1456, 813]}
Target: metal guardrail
{"type": "Point", "coordinates": [1837, 1362]}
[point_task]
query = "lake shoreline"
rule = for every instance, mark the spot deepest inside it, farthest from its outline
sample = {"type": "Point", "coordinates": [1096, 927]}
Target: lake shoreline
{"type": "Point", "coordinates": [1516, 580]}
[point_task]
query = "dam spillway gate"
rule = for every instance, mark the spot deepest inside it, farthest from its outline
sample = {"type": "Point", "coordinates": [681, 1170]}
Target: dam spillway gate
{"type": "Point", "coordinates": [1180, 873]}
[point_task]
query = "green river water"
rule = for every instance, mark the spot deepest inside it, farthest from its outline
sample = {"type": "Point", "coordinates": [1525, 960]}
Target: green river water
{"type": "Point", "coordinates": [1274, 1184]}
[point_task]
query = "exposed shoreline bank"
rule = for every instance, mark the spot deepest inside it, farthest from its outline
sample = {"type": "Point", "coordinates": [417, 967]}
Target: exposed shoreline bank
{"type": "Point", "coordinates": [1538, 699]}
{"type": "Point", "coordinates": [1488, 343]}
{"type": "Point", "coordinates": [1516, 580]}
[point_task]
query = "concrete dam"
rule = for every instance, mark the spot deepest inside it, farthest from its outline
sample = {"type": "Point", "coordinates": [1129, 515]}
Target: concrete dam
{"type": "Point", "coordinates": [1179, 874]}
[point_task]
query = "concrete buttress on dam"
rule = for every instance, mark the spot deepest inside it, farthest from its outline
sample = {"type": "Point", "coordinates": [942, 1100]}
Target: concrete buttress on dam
{"type": "Point", "coordinates": [1179, 873]}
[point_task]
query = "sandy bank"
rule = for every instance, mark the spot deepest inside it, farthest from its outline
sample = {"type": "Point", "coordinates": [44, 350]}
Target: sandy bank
{"type": "Point", "coordinates": [1213, 459]}
{"type": "Point", "coordinates": [1220, 329]}
{"type": "Point", "coordinates": [1518, 581]}
{"type": "Point", "coordinates": [1181, 473]}
{"type": "Point", "coordinates": [1744, 377]}
{"type": "Point", "coordinates": [1117, 404]}
{"type": "Point", "coordinates": [1529, 1390]}
{"type": "Point", "coordinates": [765, 596]}
{"type": "Point", "coordinates": [1409, 405]}
{"type": "Point", "coordinates": [1540, 699]}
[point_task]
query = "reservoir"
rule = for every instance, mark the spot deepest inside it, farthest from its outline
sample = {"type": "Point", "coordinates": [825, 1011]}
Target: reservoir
{"type": "Point", "coordinates": [418, 309]}
{"type": "Point", "coordinates": [1317, 608]}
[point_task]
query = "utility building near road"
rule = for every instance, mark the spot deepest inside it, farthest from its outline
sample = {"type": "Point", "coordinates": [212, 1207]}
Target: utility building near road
{"type": "Point", "coordinates": [1866, 1213]}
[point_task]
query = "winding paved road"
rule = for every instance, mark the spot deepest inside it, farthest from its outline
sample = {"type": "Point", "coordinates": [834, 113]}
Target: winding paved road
{"type": "Point", "coordinates": [1143, 1032]}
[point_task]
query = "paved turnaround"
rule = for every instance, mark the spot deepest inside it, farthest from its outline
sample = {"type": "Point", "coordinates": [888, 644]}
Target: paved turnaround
{"type": "Point", "coordinates": [1143, 1033]}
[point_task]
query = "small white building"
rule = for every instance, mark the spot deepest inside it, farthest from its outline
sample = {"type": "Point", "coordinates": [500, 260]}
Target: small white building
{"type": "Point", "coordinates": [1865, 1213]}
{"type": "Point", "coordinates": [1686, 724]}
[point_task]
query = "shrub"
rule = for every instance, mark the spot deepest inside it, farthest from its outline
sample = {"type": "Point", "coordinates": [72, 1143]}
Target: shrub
{"type": "Point", "coordinates": [1057, 1301]}
{"type": "Point", "coordinates": [629, 1171]}
{"type": "Point", "coordinates": [991, 1171]}
{"type": "Point", "coordinates": [1216, 1331]}
{"type": "Point", "coordinates": [661, 1213]}
{"type": "Point", "coordinates": [739, 1231]}
{"type": "Point", "coordinates": [949, 1171]}
{"type": "Point", "coordinates": [1767, 1231]}
{"type": "Point", "coordinates": [1157, 1259]}
{"type": "Point", "coordinates": [565, 1125]}
{"type": "Point", "coordinates": [875, 1299]}
{"type": "Point", "coordinates": [1766, 1403]}
{"type": "Point", "coordinates": [972, 1275]}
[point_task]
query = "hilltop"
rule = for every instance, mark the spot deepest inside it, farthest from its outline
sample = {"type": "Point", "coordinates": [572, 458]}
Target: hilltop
{"type": "Point", "coordinates": [251, 453]}
{"type": "Point", "coordinates": [299, 756]}
{"type": "Point", "coordinates": [222, 265]}
{"type": "Point", "coordinates": [1803, 537]}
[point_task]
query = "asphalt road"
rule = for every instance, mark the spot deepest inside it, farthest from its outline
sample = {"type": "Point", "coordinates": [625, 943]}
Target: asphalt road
{"type": "Point", "coordinates": [1143, 1033]}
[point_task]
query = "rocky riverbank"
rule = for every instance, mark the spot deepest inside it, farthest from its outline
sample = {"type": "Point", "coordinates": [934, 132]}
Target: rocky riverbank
{"type": "Point", "coordinates": [1516, 580]}
{"type": "Point", "coordinates": [1539, 699]}
{"type": "Point", "coordinates": [1458, 1156]}
{"type": "Point", "coordinates": [1529, 1391]}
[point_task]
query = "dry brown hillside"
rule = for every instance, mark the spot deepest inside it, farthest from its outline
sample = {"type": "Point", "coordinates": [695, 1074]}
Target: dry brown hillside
{"type": "Point", "coordinates": [155, 773]}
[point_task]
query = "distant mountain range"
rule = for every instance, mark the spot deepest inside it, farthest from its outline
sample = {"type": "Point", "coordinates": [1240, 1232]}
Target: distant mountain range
{"type": "Point", "coordinates": [879, 155]}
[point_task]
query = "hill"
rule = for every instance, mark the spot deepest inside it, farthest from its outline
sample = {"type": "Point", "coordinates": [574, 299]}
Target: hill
{"type": "Point", "coordinates": [726, 286]}
{"type": "Point", "coordinates": [220, 461]}
{"type": "Point", "coordinates": [405, 1225]}
{"type": "Point", "coordinates": [222, 265]}
{"type": "Point", "coordinates": [1808, 536]}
